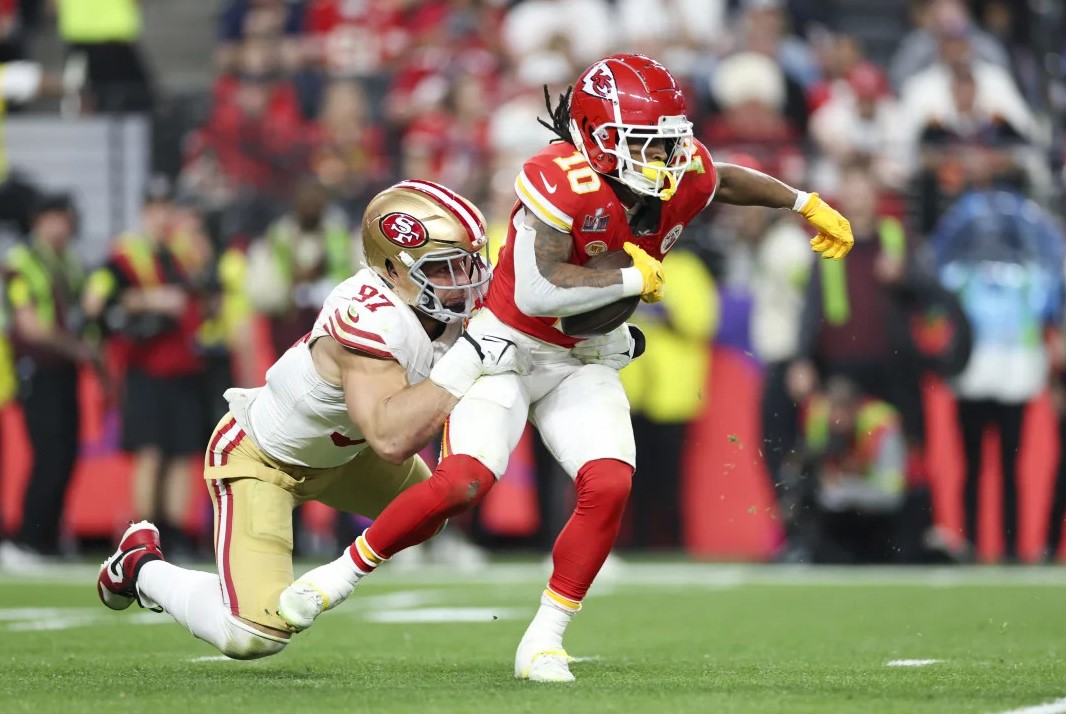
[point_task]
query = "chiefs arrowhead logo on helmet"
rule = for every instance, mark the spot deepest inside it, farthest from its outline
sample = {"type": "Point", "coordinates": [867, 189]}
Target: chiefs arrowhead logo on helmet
{"type": "Point", "coordinates": [404, 230]}
{"type": "Point", "coordinates": [600, 83]}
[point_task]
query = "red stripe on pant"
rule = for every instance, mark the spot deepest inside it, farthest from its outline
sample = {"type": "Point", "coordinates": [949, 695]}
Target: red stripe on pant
{"type": "Point", "coordinates": [213, 444]}
{"type": "Point", "coordinates": [223, 540]}
{"type": "Point", "coordinates": [230, 447]}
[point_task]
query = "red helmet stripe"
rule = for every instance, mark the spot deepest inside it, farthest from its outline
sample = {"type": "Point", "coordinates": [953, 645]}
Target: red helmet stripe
{"type": "Point", "coordinates": [451, 201]}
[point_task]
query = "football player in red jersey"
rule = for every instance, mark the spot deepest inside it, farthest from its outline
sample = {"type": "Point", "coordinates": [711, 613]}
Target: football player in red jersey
{"type": "Point", "coordinates": [626, 173]}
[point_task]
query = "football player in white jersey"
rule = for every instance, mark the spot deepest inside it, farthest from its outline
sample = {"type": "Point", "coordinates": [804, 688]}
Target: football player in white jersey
{"type": "Point", "coordinates": [340, 420]}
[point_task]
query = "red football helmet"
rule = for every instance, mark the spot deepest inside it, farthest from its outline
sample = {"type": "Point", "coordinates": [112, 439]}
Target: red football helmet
{"type": "Point", "coordinates": [626, 100]}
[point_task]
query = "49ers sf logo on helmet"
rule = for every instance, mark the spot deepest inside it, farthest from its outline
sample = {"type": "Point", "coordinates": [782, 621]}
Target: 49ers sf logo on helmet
{"type": "Point", "coordinates": [404, 230]}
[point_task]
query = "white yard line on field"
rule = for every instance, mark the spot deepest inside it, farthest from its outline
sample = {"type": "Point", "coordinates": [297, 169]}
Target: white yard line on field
{"type": "Point", "coordinates": [1056, 707]}
{"type": "Point", "coordinates": [52, 623]}
{"type": "Point", "coordinates": [911, 662]}
{"type": "Point", "coordinates": [34, 613]}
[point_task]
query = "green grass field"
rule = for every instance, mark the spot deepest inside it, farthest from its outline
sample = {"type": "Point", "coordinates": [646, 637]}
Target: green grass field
{"type": "Point", "coordinates": [659, 638]}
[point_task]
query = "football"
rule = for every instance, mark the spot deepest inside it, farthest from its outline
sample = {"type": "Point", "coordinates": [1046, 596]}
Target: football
{"type": "Point", "coordinates": [603, 319]}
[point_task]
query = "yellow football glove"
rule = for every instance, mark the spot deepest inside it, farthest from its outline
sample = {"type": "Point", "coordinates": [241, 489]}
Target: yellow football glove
{"type": "Point", "coordinates": [650, 269]}
{"type": "Point", "coordinates": [834, 239]}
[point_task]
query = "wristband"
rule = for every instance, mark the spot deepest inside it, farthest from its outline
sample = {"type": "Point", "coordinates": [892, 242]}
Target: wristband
{"type": "Point", "coordinates": [632, 282]}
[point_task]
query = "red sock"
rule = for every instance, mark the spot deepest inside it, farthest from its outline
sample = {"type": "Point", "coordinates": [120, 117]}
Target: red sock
{"type": "Point", "coordinates": [602, 490]}
{"type": "Point", "coordinates": [415, 515]}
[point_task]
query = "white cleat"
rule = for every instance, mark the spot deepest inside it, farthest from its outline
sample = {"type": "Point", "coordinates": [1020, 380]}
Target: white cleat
{"type": "Point", "coordinates": [313, 593]}
{"type": "Point", "coordinates": [539, 664]}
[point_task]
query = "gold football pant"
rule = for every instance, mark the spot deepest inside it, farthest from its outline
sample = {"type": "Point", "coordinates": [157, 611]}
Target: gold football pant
{"type": "Point", "coordinates": [253, 498]}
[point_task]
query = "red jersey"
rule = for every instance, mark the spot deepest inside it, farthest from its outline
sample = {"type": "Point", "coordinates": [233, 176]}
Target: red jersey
{"type": "Point", "coordinates": [560, 188]}
{"type": "Point", "coordinates": [172, 351]}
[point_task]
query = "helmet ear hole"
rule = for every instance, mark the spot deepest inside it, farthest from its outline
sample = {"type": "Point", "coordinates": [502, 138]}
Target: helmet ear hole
{"type": "Point", "coordinates": [393, 273]}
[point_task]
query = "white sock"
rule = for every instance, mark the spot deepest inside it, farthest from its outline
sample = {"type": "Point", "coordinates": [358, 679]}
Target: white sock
{"type": "Point", "coordinates": [359, 558]}
{"type": "Point", "coordinates": [192, 597]}
{"type": "Point", "coordinates": [549, 624]}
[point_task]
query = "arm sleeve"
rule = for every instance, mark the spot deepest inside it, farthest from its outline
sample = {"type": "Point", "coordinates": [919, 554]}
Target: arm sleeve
{"type": "Point", "coordinates": [536, 295]}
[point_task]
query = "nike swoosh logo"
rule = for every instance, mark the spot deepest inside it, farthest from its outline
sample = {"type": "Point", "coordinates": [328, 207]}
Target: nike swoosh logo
{"type": "Point", "coordinates": [115, 566]}
{"type": "Point", "coordinates": [551, 187]}
{"type": "Point", "coordinates": [508, 344]}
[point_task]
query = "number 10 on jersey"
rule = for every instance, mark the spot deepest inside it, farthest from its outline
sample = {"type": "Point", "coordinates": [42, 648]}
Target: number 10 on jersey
{"type": "Point", "coordinates": [582, 180]}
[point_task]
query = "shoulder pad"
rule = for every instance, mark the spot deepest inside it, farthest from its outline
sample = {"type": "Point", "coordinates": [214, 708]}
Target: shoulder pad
{"type": "Point", "coordinates": [363, 317]}
{"type": "Point", "coordinates": [557, 187]}
{"type": "Point", "coordinates": [343, 325]}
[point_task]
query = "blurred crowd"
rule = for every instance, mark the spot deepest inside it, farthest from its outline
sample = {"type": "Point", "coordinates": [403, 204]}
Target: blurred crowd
{"type": "Point", "coordinates": [940, 142]}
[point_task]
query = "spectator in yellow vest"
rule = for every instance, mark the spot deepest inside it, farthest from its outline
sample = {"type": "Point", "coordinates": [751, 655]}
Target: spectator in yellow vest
{"type": "Point", "coordinates": [150, 294]}
{"type": "Point", "coordinates": [667, 390]}
{"type": "Point", "coordinates": [849, 305]}
{"type": "Point", "coordinates": [44, 280]}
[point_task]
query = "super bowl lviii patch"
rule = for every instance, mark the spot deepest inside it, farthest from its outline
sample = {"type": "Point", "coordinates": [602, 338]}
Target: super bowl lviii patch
{"type": "Point", "coordinates": [596, 223]}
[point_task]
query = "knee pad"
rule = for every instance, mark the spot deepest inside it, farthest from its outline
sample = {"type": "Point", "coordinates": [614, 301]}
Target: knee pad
{"type": "Point", "coordinates": [461, 481]}
{"type": "Point", "coordinates": [243, 641]}
{"type": "Point", "coordinates": [604, 481]}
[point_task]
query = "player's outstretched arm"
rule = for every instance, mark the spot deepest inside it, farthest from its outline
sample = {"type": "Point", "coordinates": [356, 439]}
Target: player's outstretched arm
{"type": "Point", "coordinates": [742, 186]}
{"type": "Point", "coordinates": [398, 419]}
{"type": "Point", "coordinates": [546, 283]}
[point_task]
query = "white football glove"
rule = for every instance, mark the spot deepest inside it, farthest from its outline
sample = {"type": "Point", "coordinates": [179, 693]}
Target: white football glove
{"type": "Point", "coordinates": [471, 357]}
{"type": "Point", "coordinates": [616, 349]}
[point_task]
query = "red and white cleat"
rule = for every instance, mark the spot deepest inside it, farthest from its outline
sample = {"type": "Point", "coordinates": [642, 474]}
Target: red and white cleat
{"type": "Point", "coordinates": [117, 583]}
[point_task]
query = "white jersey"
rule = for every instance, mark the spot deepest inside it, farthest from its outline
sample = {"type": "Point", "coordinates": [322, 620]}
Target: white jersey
{"type": "Point", "coordinates": [298, 417]}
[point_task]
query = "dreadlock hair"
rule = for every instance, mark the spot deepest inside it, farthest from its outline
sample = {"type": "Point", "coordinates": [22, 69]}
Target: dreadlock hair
{"type": "Point", "coordinates": [559, 115]}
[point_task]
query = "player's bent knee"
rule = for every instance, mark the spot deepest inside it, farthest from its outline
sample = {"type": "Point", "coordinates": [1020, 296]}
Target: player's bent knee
{"type": "Point", "coordinates": [615, 490]}
{"type": "Point", "coordinates": [244, 641]}
{"type": "Point", "coordinates": [463, 481]}
{"type": "Point", "coordinates": [605, 481]}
